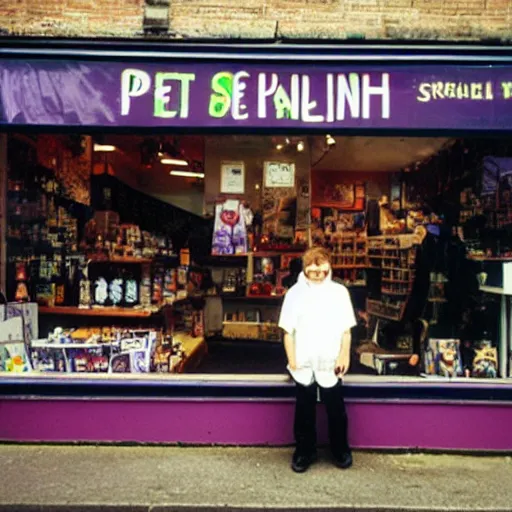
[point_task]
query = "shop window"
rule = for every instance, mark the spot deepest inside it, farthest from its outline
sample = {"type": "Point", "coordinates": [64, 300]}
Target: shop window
{"type": "Point", "coordinates": [171, 255]}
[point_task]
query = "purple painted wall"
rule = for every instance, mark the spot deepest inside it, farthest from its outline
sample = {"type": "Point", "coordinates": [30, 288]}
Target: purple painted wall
{"type": "Point", "coordinates": [426, 425]}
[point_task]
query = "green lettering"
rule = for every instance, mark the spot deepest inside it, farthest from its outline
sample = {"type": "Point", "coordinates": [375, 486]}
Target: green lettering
{"type": "Point", "coordinates": [282, 103]}
{"type": "Point", "coordinates": [477, 91]}
{"type": "Point", "coordinates": [506, 87]}
{"type": "Point", "coordinates": [161, 96]}
{"type": "Point", "coordinates": [449, 90]}
{"type": "Point", "coordinates": [437, 90]}
{"type": "Point", "coordinates": [220, 99]}
{"type": "Point", "coordinates": [462, 91]}
{"type": "Point", "coordinates": [424, 90]}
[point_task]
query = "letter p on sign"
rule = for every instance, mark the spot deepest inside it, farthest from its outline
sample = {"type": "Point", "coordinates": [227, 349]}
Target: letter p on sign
{"type": "Point", "coordinates": [134, 83]}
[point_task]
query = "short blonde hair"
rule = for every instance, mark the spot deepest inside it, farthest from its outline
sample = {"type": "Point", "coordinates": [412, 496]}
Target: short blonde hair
{"type": "Point", "coordinates": [317, 256]}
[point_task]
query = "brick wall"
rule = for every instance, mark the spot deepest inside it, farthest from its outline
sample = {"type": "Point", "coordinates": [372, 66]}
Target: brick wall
{"type": "Point", "coordinates": [339, 19]}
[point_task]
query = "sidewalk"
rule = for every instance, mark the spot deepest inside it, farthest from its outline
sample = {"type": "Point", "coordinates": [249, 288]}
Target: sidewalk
{"type": "Point", "coordinates": [157, 479]}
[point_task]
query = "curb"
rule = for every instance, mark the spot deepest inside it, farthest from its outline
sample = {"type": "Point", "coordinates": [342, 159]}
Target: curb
{"type": "Point", "coordinates": [226, 508]}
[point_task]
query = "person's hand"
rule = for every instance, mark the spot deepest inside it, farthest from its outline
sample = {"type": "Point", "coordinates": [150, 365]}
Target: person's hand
{"type": "Point", "coordinates": [292, 364]}
{"type": "Point", "coordinates": [342, 364]}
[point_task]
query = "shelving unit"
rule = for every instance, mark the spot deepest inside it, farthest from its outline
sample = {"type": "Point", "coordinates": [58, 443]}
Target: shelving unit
{"type": "Point", "coordinates": [394, 257]}
{"type": "Point", "coordinates": [102, 312]}
{"type": "Point", "coordinates": [122, 259]}
{"type": "Point", "coordinates": [239, 330]}
{"type": "Point", "coordinates": [253, 297]}
{"type": "Point", "coordinates": [350, 257]}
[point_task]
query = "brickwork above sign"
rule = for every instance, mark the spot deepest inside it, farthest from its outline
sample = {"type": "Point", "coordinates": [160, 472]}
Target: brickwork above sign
{"type": "Point", "coordinates": [337, 19]}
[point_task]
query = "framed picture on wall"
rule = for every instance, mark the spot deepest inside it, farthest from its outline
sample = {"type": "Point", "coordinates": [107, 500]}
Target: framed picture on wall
{"type": "Point", "coordinates": [279, 174]}
{"type": "Point", "coordinates": [232, 178]}
{"type": "Point", "coordinates": [330, 192]}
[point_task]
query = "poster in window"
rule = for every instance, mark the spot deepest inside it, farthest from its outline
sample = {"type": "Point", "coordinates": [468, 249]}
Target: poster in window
{"type": "Point", "coordinates": [229, 232]}
{"type": "Point", "coordinates": [328, 191]}
{"type": "Point", "coordinates": [232, 179]}
{"type": "Point", "coordinates": [279, 174]}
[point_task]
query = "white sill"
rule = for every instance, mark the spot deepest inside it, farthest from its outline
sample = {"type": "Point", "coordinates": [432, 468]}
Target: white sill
{"type": "Point", "coordinates": [269, 379]}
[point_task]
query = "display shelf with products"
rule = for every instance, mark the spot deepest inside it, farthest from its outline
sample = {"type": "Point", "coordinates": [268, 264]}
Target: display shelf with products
{"type": "Point", "coordinates": [121, 259]}
{"type": "Point", "coordinates": [114, 350]}
{"type": "Point", "coordinates": [388, 311]}
{"type": "Point", "coordinates": [394, 257]}
{"type": "Point", "coordinates": [262, 298]}
{"type": "Point", "coordinates": [242, 330]}
{"type": "Point", "coordinates": [349, 253]}
{"type": "Point", "coordinates": [100, 311]}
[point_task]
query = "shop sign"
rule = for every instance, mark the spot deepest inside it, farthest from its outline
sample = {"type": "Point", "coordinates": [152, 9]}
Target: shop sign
{"type": "Point", "coordinates": [304, 96]}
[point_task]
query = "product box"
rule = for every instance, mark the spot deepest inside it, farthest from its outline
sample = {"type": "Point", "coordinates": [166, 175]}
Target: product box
{"type": "Point", "coordinates": [89, 359]}
{"type": "Point", "coordinates": [14, 357]}
{"type": "Point", "coordinates": [442, 358]}
{"type": "Point", "coordinates": [485, 363]}
{"type": "Point", "coordinates": [49, 359]}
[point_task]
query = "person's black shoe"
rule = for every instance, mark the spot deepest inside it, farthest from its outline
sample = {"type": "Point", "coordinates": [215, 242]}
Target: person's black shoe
{"type": "Point", "coordinates": [301, 463]}
{"type": "Point", "coordinates": [343, 461]}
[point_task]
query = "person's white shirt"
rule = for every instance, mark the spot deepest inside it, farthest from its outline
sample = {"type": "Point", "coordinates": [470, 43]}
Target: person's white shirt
{"type": "Point", "coordinates": [317, 315]}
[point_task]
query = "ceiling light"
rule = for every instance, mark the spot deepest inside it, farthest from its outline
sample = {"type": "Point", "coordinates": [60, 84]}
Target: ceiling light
{"type": "Point", "coordinates": [104, 148]}
{"type": "Point", "coordinates": [174, 161]}
{"type": "Point", "coordinates": [329, 140]}
{"type": "Point", "coordinates": [187, 174]}
{"type": "Point", "coordinates": [279, 147]}
{"type": "Point", "coordinates": [300, 146]}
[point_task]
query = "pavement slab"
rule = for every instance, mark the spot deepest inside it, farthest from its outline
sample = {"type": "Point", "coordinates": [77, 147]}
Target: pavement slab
{"type": "Point", "coordinates": [161, 479]}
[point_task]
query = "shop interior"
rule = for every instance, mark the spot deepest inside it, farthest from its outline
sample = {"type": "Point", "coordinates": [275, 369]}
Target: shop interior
{"type": "Point", "coordinates": [171, 254]}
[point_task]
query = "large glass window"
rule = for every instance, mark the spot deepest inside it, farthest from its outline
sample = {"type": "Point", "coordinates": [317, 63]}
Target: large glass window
{"type": "Point", "coordinates": [171, 254]}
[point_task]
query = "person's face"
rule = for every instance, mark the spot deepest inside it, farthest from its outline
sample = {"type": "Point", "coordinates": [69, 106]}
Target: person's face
{"type": "Point", "coordinates": [317, 273]}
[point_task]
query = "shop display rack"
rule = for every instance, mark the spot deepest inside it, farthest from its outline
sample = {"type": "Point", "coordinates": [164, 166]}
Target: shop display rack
{"type": "Point", "coordinates": [349, 254]}
{"type": "Point", "coordinates": [99, 311]}
{"type": "Point", "coordinates": [394, 256]}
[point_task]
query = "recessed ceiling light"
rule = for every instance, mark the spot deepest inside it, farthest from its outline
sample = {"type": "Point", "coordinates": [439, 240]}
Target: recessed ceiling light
{"type": "Point", "coordinates": [187, 174]}
{"type": "Point", "coordinates": [174, 161]}
{"type": "Point", "coordinates": [104, 148]}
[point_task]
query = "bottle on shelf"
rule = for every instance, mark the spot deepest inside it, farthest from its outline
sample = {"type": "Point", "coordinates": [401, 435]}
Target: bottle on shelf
{"type": "Point", "coordinates": [85, 298]}
{"type": "Point", "coordinates": [131, 290]}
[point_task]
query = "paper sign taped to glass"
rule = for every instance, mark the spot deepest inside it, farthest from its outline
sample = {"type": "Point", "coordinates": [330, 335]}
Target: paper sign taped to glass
{"type": "Point", "coordinates": [28, 312]}
{"type": "Point", "coordinates": [13, 353]}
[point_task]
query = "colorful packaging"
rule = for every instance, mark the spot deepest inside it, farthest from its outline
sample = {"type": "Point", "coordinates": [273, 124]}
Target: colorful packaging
{"type": "Point", "coordinates": [14, 358]}
{"type": "Point", "coordinates": [442, 358]}
{"type": "Point", "coordinates": [49, 359]}
{"type": "Point", "coordinates": [485, 363]}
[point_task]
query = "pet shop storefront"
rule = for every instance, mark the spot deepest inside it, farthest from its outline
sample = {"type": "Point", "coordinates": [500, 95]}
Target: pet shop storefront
{"type": "Point", "coordinates": [422, 243]}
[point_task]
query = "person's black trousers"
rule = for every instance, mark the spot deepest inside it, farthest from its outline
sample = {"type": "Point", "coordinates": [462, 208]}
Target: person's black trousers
{"type": "Point", "coordinates": [305, 418]}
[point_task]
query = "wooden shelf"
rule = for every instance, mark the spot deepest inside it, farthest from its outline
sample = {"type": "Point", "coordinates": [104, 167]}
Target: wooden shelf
{"type": "Point", "coordinates": [252, 297]}
{"type": "Point", "coordinates": [399, 281]}
{"type": "Point", "coordinates": [121, 259]}
{"type": "Point", "coordinates": [397, 269]}
{"type": "Point", "coordinates": [260, 254]}
{"type": "Point", "coordinates": [334, 267]}
{"type": "Point", "coordinates": [119, 312]}
{"type": "Point", "coordinates": [384, 257]}
{"type": "Point", "coordinates": [397, 294]}
{"type": "Point", "coordinates": [485, 258]}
